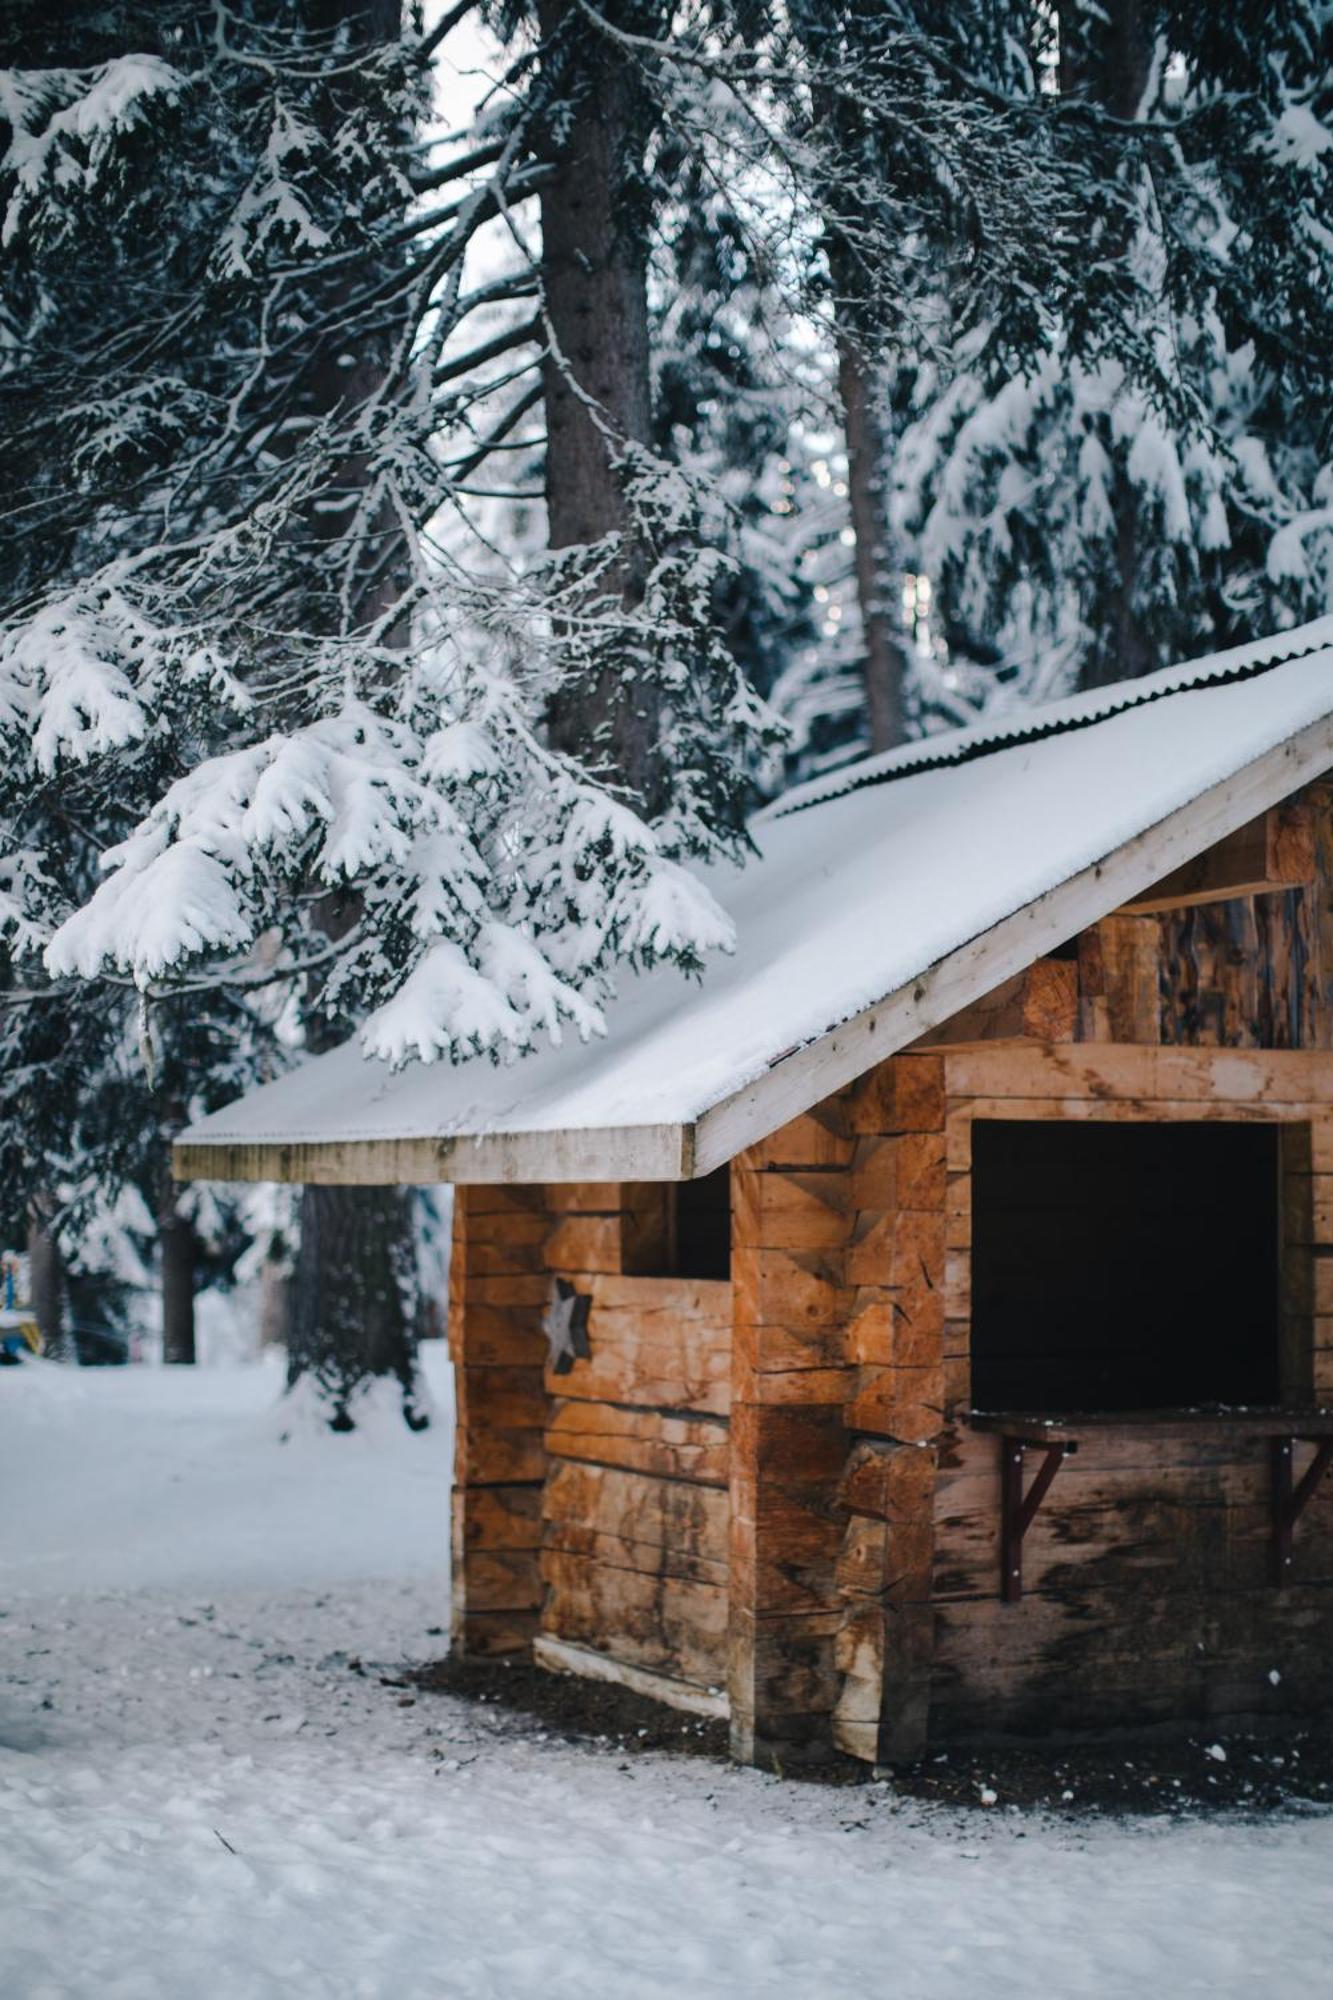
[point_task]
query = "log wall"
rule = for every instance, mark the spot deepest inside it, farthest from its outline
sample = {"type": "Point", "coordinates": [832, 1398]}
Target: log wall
{"type": "Point", "coordinates": [635, 1506]}
{"type": "Point", "coordinates": [590, 1506]}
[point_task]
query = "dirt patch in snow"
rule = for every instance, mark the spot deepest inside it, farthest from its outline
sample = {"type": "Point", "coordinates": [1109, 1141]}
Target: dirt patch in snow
{"type": "Point", "coordinates": [1183, 1772]}
{"type": "Point", "coordinates": [579, 1711]}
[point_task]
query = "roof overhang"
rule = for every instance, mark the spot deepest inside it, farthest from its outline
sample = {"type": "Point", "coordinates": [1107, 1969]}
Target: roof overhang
{"type": "Point", "coordinates": [800, 1078]}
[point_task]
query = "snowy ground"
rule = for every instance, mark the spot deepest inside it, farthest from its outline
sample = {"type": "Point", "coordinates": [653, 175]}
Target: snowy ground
{"type": "Point", "coordinates": [206, 1788]}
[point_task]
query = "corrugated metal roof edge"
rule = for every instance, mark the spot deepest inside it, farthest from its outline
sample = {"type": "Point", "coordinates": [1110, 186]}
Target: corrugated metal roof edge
{"type": "Point", "coordinates": [821, 791]}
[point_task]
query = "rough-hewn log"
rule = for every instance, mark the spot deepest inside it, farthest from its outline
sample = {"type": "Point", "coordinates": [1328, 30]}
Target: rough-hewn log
{"type": "Point", "coordinates": [1119, 981]}
{"type": "Point", "coordinates": [663, 1343]}
{"type": "Point", "coordinates": [1039, 1004]}
{"type": "Point", "coordinates": [498, 1350]}
{"type": "Point", "coordinates": [656, 1441]}
{"type": "Point", "coordinates": [790, 1381]}
{"type": "Point", "coordinates": [1274, 851]}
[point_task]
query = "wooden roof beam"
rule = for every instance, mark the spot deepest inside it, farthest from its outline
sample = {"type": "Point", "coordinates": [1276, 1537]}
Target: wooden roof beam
{"type": "Point", "coordinates": [1274, 851]}
{"type": "Point", "coordinates": [1039, 1004]}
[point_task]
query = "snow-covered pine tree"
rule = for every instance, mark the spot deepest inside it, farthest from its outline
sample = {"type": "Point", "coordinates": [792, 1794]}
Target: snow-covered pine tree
{"type": "Point", "coordinates": [1100, 507]}
{"type": "Point", "coordinates": [218, 561]}
{"type": "Point", "coordinates": [850, 154]}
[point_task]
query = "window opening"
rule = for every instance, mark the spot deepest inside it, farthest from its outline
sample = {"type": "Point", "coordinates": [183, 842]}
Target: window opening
{"type": "Point", "coordinates": [678, 1229]}
{"type": "Point", "coordinates": [1124, 1266]}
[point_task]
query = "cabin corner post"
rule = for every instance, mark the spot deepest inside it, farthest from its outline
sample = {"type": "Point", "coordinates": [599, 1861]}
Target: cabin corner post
{"type": "Point", "coordinates": [905, 1382]}
{"type": "Point", "coordinates": [496, 1299]}
{"type": "Point", "coordinates": [790, 1382]}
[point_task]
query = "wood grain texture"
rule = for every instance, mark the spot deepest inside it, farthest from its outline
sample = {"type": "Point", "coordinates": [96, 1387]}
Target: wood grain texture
{"type": "Point", "coordinates": [1040, 1003]}
{"type": "Point", "coordinates": [790, 1383]}
{"type": "Point", "coordinates": [654, 1441]}
{"type": "Point", "coordinates": [501, 1407]}
{"type": "Point", "coordinates": [658, 1343]}
{"type": "Point", "coordinates": [1276, 850]}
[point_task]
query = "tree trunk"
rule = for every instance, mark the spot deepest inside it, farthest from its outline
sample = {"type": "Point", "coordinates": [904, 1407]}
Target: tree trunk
{"type": "Point", "coordinates": [1106, 55]}
{"type": "Point", "coordinates": [274, 1303]}
{"type": "Point", "coordinates": [349, 1301]}
{"type": "Point", "coordinates": [350, 1315]}
{"type": "Point", "coordinates": [344, 1311]}
{"type": "Point", "coordinates": [596, 383]}
{"type": "Point", "coordinates": [884, 655]}
{"type": "Point", "coordinates": [830, 33]}
{"type": "Point", "coordinates": [46, 1278]}
{"type": "Point", "coordinates": [176, 1242]}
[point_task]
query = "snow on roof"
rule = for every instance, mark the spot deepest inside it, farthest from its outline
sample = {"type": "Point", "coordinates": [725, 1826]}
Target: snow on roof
{"type": "Point", "coordinates": [873, 911]}
{"type": "Point", "coordinates": [1053, 718]}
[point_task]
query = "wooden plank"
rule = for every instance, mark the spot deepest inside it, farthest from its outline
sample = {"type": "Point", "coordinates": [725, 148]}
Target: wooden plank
{"type": "Point", "coordinates": [896, 1328]}
{"type": "Point", "coordinates": [1244, 974]}
{"type": "Point", "coordinates": [1038, 1004]}
{"type": "Point", "coordinates": [902, 1403]}
{"type": "Point", "coordinates": [672, 1447]}
{"type": "Point", "coordinates": [818, 1138]}
{"type": "Point", "coordinates": [1143, 1110]}
{"type": "Point", "coordinates": [575, 1538]}
{"type": "Point", "coordinates": [579, 1197]}
{"type": "Point", "coordinates": [485, 1635]}
{"type": "Point", "coordinates": [775, 1287]}
{"type": "Point", "coordinates": [498, 1580]}
{"type": "Point", "coordinates": [580, 1244]}
{"type": "Point", "coordinates": [664, 1623]}
{"type": "Point", "coordinates": [501, 1335]}
{"type": "Point", "coordinates": [656, 1343]}
{"type": "Point", "coordinates": [784, 1683]}
{"type": "Point", "coordinates": [1295, 1079]}
{"type": "Point", "coordinates": [905, 1094]}
{"type": "Point", "coordinates": [903, 1171]}
{"type": "Point", "coordinates": [668, 1515]}
{"type": "Point", "coordinates": [588, 1664]}
{"type": "Point", "coordinates": [500, 1457]}
{"type": "Point", "coordinates": [1319, 919]}
{"type": "Point", "coordinates": [786, 1529]}
{"type": "Point", "coordinates": [1090, 1632]}
{"type": "Point", "coordinates": [790, 1210]}
{"type": "Point", "coordinates": [499, 1517]}
{"type": "Point", "coordinates": [901, 1248]}
{"type": "Point", "coordinates": [616, 1152]}
{"type": "Point", "coordinates": [1276, 850]}
{"type": "Point", "coordinates": [704, 1299]}
{"type": "Point", "coordinates": [1118, 974]}
{"type": "Point", "coordinates": [1307, 1208]}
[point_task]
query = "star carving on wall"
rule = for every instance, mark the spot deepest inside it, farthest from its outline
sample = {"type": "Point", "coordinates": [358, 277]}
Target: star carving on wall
{"type": "Point", "coordinates": [565, 1324]}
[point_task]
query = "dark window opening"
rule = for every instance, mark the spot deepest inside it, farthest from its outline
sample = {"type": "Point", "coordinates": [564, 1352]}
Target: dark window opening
{"type": "Point", "coordinates": [1124, 1266]}
{"type": "Point", "coordinates": [678, 1229]}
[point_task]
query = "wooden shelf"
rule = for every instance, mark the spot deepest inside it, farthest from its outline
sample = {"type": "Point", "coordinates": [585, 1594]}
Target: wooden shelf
{"type": "Point", "coordinates": [1050, 1427]}
{"type": "Point", "coordinates": [1058, 1437]}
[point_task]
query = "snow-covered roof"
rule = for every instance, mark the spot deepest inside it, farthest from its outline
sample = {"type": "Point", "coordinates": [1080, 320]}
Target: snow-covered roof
{"type": "Point", "coordinates": [883, 899]}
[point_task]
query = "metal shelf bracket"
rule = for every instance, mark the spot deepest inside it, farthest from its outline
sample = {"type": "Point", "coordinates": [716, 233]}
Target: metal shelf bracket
{"type": "Point", "coordinates": [1292, 1497]}
{"type": "Point", "coordinates": [1018, 1509]}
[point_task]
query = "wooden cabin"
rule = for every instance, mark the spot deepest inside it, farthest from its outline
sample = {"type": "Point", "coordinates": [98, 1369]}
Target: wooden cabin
{"type": "Point", "coordinates": [922, 1329]}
